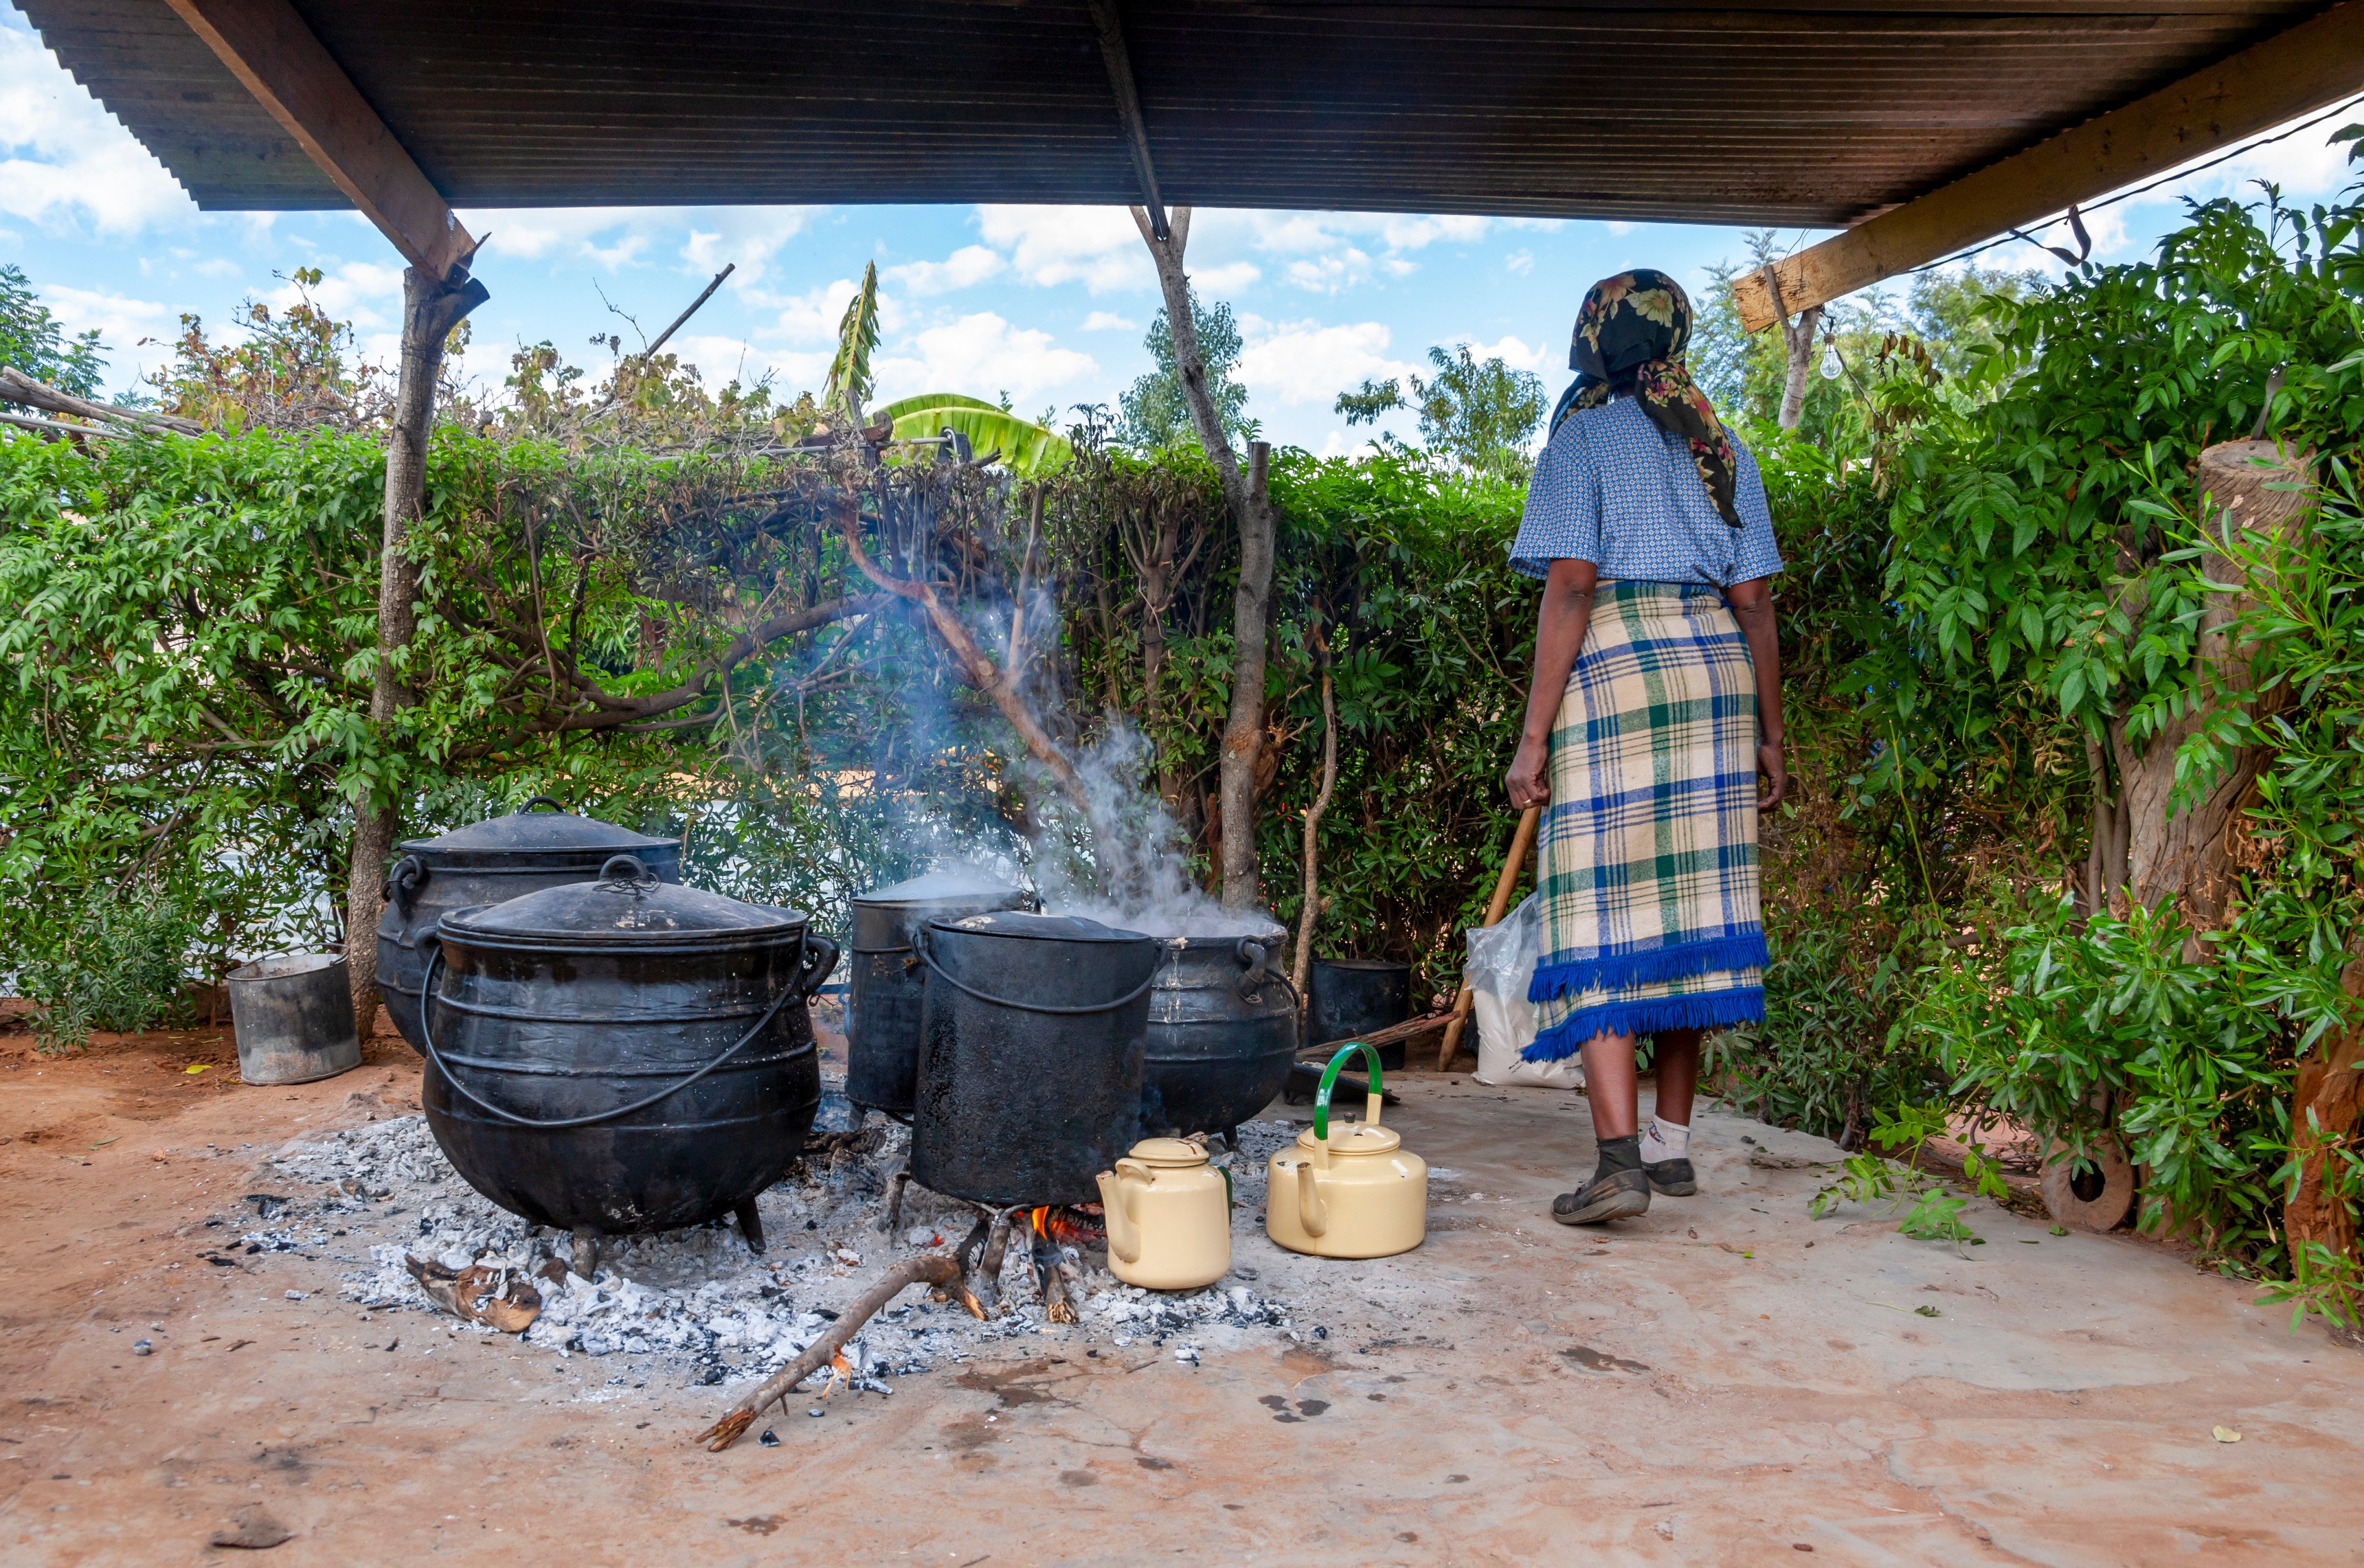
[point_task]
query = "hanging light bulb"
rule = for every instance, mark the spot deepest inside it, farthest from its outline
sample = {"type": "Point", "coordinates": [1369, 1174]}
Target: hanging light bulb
{"type": "Point", "coordinates": [1830, 360]}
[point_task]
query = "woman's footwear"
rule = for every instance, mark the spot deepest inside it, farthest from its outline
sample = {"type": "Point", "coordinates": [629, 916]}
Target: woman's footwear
{"type": "Point", "coordinates": [1672, 1178]}
{"type": "Point", "coordinates": [1610, 1195]}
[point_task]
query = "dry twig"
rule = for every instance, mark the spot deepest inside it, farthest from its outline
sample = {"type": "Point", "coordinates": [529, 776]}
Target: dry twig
{"type": "Point", "coordinates": [935, 1269]}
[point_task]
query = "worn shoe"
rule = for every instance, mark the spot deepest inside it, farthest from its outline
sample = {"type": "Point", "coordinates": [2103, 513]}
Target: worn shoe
{"type": "Point", "coordinates": [1610, 1195]}
{"type": "Point", "coordinates": [1672, 1178]}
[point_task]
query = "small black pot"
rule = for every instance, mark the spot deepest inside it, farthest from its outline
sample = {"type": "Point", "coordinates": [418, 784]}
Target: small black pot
{"type": "Point", "coordinates": [623, 1055]}
{"type": "Point", "coordinates": [1030, 1057]}
{"type": "Point", "coordinates": [1356, 995]}
{"type": "Point", "coordinates": [886, 985]}
{"type": "Point", "coordinates": [1223, 1033]}
{"type": "Point", "coordinates": [491, 862]}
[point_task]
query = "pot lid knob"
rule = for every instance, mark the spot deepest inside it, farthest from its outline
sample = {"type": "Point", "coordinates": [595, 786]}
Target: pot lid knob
{"type": "Point", "coordinates": [627, 873]}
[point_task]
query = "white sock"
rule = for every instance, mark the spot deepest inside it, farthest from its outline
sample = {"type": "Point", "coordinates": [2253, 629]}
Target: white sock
{"type": "Point", "coordinates": [1664, 1140]}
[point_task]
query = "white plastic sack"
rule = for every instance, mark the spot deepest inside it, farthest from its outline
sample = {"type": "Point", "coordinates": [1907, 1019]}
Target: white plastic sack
{"type": "Point", "coordinates": [1502, 962]}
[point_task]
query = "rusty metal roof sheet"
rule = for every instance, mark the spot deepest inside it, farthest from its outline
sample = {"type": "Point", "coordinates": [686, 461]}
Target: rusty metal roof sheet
{"type": "Point", "coordinates": [1748, 111]}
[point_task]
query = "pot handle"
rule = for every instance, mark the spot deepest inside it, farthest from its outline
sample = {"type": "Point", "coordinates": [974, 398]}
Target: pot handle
{"type": "Point", "coordinates": [1328, 1080]}
{"type": "Point", "coordinates": [819, 962]}
{"type": "Point", "coordinates": [543, 800]}
{"type": "Point", "coordinates": [925, 947]}
{"type": "Point", "coordinates": [1256, 971]}
{"type": "Point", "coordinates": [629, 874]}
{"type": "Point", "coordinates": [427, 1000]}
{"type": "Point", "coordinates": [403, 882]}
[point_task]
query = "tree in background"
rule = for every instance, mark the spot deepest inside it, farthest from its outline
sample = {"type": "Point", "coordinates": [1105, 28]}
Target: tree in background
{"type": "Point", "coordinates": [1481, 414]}
{"type": "Point", "coordinates": [35, 342]}
{"type": "Point", "coordinates": [295, 368]}
{"type": "Point", "coordinates": [1155, 415]}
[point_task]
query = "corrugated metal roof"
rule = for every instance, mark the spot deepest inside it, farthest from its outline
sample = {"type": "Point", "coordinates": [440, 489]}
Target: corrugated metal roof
{"type": "Point", "coordinates": [1750, 111]}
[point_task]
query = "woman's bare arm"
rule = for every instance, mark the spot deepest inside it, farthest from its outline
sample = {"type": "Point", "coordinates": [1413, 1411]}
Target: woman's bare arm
{"type": "Point", "coordinates": [1752, 605]}
{"type": "Point", "coordinates": [1560, 623]}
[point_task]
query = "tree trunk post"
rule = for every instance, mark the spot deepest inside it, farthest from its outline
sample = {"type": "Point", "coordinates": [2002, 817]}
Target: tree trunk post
{"type": "Point", "coordinates": [2188, 856]}
{"type": "Point", "coordinates": [431, 308]}
{"type": "Point", "coordinates": [1251, 510]}
{"type": "Point", "coordinates": [1798, 338]}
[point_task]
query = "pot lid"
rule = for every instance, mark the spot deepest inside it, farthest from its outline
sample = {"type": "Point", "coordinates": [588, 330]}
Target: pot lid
{"type": "Point", "coordinates": [1039, 928]}
{"type": "Point", "coordinates": [940, 887]}
{"type": "Point", "coordinates": [531, 831]}
{"type": "Point", "coordinates": [1168, 1153]}
{"type": "Point", "coordinates": [1360, 1138]}
{"type": "Point", "coordinates": [625, 905]}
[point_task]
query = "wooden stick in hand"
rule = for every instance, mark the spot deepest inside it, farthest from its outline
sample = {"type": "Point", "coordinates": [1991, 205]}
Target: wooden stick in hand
{"type": "Point", "coordinates": [933, 1269]}
{"type": "Point", "coordinates": [1504, 886]}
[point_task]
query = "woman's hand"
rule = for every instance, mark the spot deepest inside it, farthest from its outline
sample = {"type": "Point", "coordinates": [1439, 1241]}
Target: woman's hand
{"type": "Point", "coordinates": [1775, 771]}
{"type": "Point", "coordinates": [1526, 779]}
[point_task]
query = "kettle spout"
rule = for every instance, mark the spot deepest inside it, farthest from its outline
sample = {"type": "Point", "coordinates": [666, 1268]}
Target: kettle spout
{"type": "Point", "coordinates": [1312, 1212]}
{"type": "Point", "coordinates": [1123, 1235]}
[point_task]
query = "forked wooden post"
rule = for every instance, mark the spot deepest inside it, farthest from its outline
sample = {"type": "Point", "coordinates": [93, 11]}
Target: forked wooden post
{"type": "Point", "coordinates": [1521, 843]}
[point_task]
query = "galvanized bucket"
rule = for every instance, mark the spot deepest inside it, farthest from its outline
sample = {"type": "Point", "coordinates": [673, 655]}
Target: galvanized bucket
{"type": "Point", "coordinates": [294, 1016]}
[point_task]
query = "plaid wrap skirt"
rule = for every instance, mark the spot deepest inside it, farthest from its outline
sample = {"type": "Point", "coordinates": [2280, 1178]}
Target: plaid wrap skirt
{"type": "Point", "coordinates": [1650, 914]}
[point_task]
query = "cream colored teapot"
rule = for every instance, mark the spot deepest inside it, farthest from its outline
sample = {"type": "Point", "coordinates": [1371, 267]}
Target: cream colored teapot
{"type": "Point", "coordinates": [1358, 1195]}
{"type": "Point", "coordinates": [1168, 1215]}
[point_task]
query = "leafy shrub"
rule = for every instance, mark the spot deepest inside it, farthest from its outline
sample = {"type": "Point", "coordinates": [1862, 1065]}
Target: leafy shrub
{"type": "Point", "coordinates": [119, 963]}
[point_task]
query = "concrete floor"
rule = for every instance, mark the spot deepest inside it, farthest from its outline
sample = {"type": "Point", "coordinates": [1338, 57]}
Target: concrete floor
{"type": "Point", "coordinates": [1723, 1381]}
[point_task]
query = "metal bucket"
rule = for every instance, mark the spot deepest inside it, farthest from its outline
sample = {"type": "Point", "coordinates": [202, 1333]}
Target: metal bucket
{"type": "Point", "coordinates": [1222, 1034]}
{"type": "Point", "coordinates": [886, 987]}
{"type": "Point", "coordinates": [293, 1017]}
{"type": "Point", "coordinates": [1353, 997]}
{"type": "Point", "coordinates": [1031, 1056]}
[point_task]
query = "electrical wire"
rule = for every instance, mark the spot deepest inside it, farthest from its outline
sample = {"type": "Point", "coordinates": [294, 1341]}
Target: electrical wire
{"type": "Point", "coordinates": [2333, 113]}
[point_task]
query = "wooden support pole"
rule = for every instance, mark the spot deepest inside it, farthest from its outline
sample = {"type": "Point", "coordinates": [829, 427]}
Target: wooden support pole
{"type": "Point", "coordinates": [272, 51]}
{"type": "Point", "coordinates": [1522, 840]}
{"type": "Point", "coordinates": [1117, 57]}
{"type": "Point", "coordinates": [2314, 63]}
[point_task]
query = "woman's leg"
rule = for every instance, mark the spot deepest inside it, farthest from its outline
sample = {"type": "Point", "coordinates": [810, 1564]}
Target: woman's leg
{"type": "Point", "coordinates": [1609, 1083]}
{"type": "Point", "coordinates": [1675, 1057]}
{"type": "Point", "coordinates": [1619, 1187]}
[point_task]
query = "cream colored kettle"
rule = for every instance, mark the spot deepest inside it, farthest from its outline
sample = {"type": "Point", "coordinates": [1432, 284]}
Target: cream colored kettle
{"type": "Point", "coordinates": [1168, 1215]}
{"type": "Point", "coordinates": [1358, 1195]}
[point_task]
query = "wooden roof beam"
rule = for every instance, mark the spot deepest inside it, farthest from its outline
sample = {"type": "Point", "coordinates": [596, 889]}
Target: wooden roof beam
{"type": "Point", "coordinates": [2311, 64]}
{"type": "Point", "coordinates": [1109, 24]}
{"type": "Point", "coordinates": [271, 49]}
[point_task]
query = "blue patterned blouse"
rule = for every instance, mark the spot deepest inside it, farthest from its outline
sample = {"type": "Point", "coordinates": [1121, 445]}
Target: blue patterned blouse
{"type": "Point", "coordinates": [1614, 489]}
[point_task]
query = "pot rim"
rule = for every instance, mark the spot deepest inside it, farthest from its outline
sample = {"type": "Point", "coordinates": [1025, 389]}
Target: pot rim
{"type": "Point", "coordinates": [793, 926]}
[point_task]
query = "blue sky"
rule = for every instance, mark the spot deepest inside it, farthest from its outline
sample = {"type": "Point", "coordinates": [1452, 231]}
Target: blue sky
{"type": "Point", "coordinates": [1046, 304]}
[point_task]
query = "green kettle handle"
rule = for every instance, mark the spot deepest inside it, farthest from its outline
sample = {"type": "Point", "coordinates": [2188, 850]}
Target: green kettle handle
{"type": "Point", "coordinates": [1330, 1080]}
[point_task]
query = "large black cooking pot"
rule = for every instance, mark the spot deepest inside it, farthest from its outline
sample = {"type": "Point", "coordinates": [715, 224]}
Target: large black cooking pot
{"type": "Point", "coordinates": [623, 1055]}
{"type": "Point", "coordinates": [886, 985]}
{"type": "Point", "coordinates": [1030, 1053]}
{"type": "Point", "coordinates": [490, 861]}
{"type": "Point", "coordinates": [1357, 997]}
{"type": "Point", "coordinates": [1223, 1033]}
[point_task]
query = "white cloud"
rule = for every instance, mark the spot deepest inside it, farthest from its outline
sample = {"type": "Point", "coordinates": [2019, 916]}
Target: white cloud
{"type": "Point", "coordinates": [1331, 272]}
{"type": "Point", "coordinates": [969, 265]}
{"type": "Point", "coordinates": [812, 317]}
{"type": "Point", "coordinates": [1096, 246]}
{"type": "Point", "coordinates": [1229, 278]}
{"type": "Point", "coordinates": [747, 238]}
{"type": "Point", "coordinates": [1519, 263]}
{"type": "Point", "coordinates": [1619, 228]}
{"type": "Point", "coordinates": [1514, 352]}
{"type": "Point", "coordinates": [531, 233]}
{"type": "Point", "coordinates": [68, 163]}
{"type": "Point", "coordinates": [1108, 321]}
{"type": "Point", "coordinates": [1304, 361]}
{"type": "Point", "coordinates": [983, 356]}
{"type": "Point", "coordinates": [121, 321]}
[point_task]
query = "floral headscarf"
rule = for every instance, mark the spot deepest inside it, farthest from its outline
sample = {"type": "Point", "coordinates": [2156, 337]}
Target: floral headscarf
{"type": "Point", "coordinates": [1640, 321]}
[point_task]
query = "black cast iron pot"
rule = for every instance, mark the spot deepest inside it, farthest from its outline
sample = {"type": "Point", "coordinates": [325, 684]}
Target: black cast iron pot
{"type": "Point", "coordinates": [1222, 1034]}
{"type": "Point", "coordinates": [1030, 1052]}
{"type": "Point", "coordinates": [490, 861]}
{"type": "Point", "coordinates": [1357, 997]}
{"type": "Point", "coordinates": [623, 1055]}
{"type": "Point", "coordinates": [885, 987]}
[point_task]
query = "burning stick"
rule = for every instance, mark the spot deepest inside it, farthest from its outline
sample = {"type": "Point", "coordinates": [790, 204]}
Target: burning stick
{"type": "Point", "coordinates": [894, 1201]}
{"type": "Point", "coordinates": [1050, 1273]}
{"type": "Point", "coordinates": [935, 1268]}
{"type": "Point", "coordinates": [987, 1282]}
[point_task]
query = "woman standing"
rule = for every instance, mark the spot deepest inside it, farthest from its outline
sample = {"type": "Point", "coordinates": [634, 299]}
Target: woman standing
{"type": "Point", "coordinates": [1656, 703]}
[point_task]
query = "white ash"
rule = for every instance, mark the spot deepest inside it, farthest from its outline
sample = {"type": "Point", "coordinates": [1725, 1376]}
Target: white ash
{"type": "Point", "coordinates": [696, 1305]}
